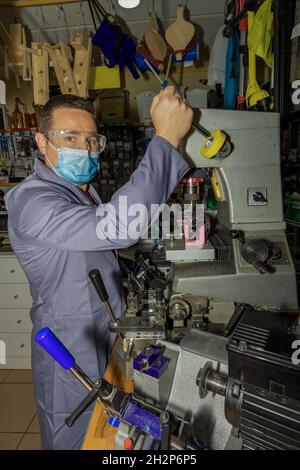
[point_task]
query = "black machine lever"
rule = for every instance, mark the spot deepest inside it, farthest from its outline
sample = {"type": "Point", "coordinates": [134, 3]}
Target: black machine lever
{"type": "Point", "coordinates": [86, 402]}
{"type": "Point", "coordinates": [100, 288]}
{"type": "Point", "coordinates": [98, 283]}
{"type": "Point", "coordinates": [101, 388]}
{"type": "Point", "coordinates": [165, 430]}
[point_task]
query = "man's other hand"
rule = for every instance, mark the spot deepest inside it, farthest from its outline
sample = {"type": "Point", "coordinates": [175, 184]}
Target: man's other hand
{"type": "Point", "coordinates": [171, 115]}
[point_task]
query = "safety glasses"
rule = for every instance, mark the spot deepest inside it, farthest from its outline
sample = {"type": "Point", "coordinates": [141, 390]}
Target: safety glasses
{"type": "Point", "coordinates": [77, 140]}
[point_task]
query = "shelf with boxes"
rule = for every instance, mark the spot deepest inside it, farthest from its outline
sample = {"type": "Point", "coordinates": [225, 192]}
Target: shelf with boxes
{"type": "Point", "coordinates": [17, 153]}
{"type": "Point", "coordinates": [4, 188]}
{"type": "Point", "coordinates": [127, 143]}
{"type": "Point", "coordinates": [117, 162]}
{"type": "Point", "coordinates": [15, 304]}
{"type": "Point", "coordinates": [144, 131]}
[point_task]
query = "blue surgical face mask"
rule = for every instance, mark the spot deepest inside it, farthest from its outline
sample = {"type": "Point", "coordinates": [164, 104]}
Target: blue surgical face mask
{"type": "Point", "coordinates": [77, 166]}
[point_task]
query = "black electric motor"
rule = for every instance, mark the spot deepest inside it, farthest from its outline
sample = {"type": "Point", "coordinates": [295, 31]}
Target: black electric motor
{"type": "Point", "coordinates": [263, 393]}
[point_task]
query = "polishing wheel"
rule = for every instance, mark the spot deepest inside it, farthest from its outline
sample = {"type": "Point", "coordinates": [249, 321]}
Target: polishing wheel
{"type": "Point", "coordinates": [216, 144]}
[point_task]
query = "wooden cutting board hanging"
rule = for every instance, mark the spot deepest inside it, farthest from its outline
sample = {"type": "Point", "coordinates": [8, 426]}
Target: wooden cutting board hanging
{"type": "Point", "coordinates": [180, 34]}
{"type": "Point", "coordinates": [144, 51]}
{"type": "Point", "coordinates": [155, 43]}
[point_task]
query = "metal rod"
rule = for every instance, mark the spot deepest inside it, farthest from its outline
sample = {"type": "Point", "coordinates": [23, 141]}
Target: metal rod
{"type": "Point", "coordinates": [85, 380]}
{"type": "Point", "coordinates": [129, 350]}
{"type": "Point", "coordinates": [154, 71]}
{"type": "Point", "coordinates": [112, 317]}
{"type": "Point", "coordinates": [110, 313]}
{"type": "Point", "coordinates": [82, 377]}
{"type": "Point", "coordinates": [216, 382]}
{"type": "Point", "coordinates": [201, 129]}
{"type": "Point", "coordinates": [169, 67]}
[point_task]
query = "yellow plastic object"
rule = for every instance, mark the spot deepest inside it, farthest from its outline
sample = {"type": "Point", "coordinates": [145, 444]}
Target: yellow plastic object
{"type": "Point", "coordinates": [253, 98]}
{"type": "Point", "coordinates": [213, 144]}
{"type": "Point", "coordinates": [254, 93]}
{"type": "Point", "coordinates": [216, 186]}
{"type": "Point", "coordinates": [261, 33]}
{"type": "Point", "coordinates": [103, 77]}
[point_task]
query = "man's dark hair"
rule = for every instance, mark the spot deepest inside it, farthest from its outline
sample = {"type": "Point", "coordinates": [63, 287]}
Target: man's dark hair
{"type": "Point", "coordinates": [62, 101]}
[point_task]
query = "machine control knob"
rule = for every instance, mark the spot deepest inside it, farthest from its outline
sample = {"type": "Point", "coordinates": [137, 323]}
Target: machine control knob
{"type": "Point", "coordinates": [257, 253]}
{"type": "Point", "coordinates": [128, 443]}
{"type": "Point", "coordinates": [114, 422]}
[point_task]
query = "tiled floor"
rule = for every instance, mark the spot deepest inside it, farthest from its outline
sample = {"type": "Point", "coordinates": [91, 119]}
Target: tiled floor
{"type": "Point", "coordinates": [19, 427]}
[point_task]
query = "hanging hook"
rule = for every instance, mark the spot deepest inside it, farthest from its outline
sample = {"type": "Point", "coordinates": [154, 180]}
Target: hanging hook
{"type": "Point", "coordinates": [111, 7]}
{"type": "Point", "coordinates": [43, 17]}
{"type": "Point", "coordinates": [61, 12]}
{"type": "Point", "coordinates": [64, 14]}
{"type": "Point", "coordinates": [148, 7]}
{"type": "Point", "coordinates": [152, 11]}
{"type": "Point", "coordinates": [82, 15]}
{"type": "Point", "coordinates": [39, 24]}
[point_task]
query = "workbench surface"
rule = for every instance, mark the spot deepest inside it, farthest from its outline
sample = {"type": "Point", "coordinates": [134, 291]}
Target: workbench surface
{"type": "Point", "coordinates": [100, 435]}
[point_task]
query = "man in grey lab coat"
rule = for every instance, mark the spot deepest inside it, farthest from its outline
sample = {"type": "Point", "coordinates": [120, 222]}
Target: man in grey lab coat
{"type": "Point", "coordinates": [55, 230]}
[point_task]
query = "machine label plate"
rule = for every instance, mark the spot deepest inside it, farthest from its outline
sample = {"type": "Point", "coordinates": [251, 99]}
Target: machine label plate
{"type": "Point", "coordinates": [257, 197]}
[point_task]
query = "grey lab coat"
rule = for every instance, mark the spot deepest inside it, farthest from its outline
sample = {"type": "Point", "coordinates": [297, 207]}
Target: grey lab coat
{"type": "Point", "coordinates": [52, 229]}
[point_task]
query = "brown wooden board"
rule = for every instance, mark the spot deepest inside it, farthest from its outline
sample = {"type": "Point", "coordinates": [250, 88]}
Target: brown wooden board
{"type": "Point", "coordinates": [100, 435]}
{"type": "Point", "coordinates": [155, 43]}
{"type": "Point", "coordinates": [180, 34]}
{"type": "Point", "coordinates": [144, 51]}
{"type": "Point", "coordinates": [82, 45]}
{"type": "Point", "coordinates": [63, 70]}
{"type": "Point", "coordinates": [40, 74]}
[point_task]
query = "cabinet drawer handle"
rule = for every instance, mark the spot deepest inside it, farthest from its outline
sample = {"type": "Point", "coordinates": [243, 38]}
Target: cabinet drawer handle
{"type": "Point", "coordinates": [22, 345]}
{"type": "Point", "coordinates": [19, 321]}
{"type": "Point", "coordinates": [16, 296]}
{"type": "Point", "coordinates": [12, 271]}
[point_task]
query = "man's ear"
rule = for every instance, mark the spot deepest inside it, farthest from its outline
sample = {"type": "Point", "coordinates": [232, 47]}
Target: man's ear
{"type": "Point", "coordinates": [41, 142]}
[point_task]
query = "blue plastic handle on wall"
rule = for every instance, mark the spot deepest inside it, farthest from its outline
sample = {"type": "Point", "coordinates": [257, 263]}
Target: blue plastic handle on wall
{"type": "Point", "coordinates": [47, 339]}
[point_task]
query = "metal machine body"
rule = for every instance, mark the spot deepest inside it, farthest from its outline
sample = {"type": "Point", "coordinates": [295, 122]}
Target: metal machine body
{"type": "Point", "coordinates": [209, 392]}
{"type": "Point", "coordinates": [177, 392]}
{"type": "Point", "coordinates": [241, 392]}
{"type": "Point", "coordinates": [248, 188]}
{"type": "Point", "coordinates": [249, 264]}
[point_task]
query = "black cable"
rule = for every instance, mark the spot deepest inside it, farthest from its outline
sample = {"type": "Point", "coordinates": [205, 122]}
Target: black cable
{"type": "Point", "coordinates": [92, 15]}
{"type": "Point", "coordinates": [99, 9]}
{"type": "Point", "coordinates": [232, 18]}
{"type": "Point", "coordinates": [96, 12]}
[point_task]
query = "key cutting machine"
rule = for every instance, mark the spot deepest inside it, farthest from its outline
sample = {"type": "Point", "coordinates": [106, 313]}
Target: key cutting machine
{"type": "Point", "coordinates": [211, 332]}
